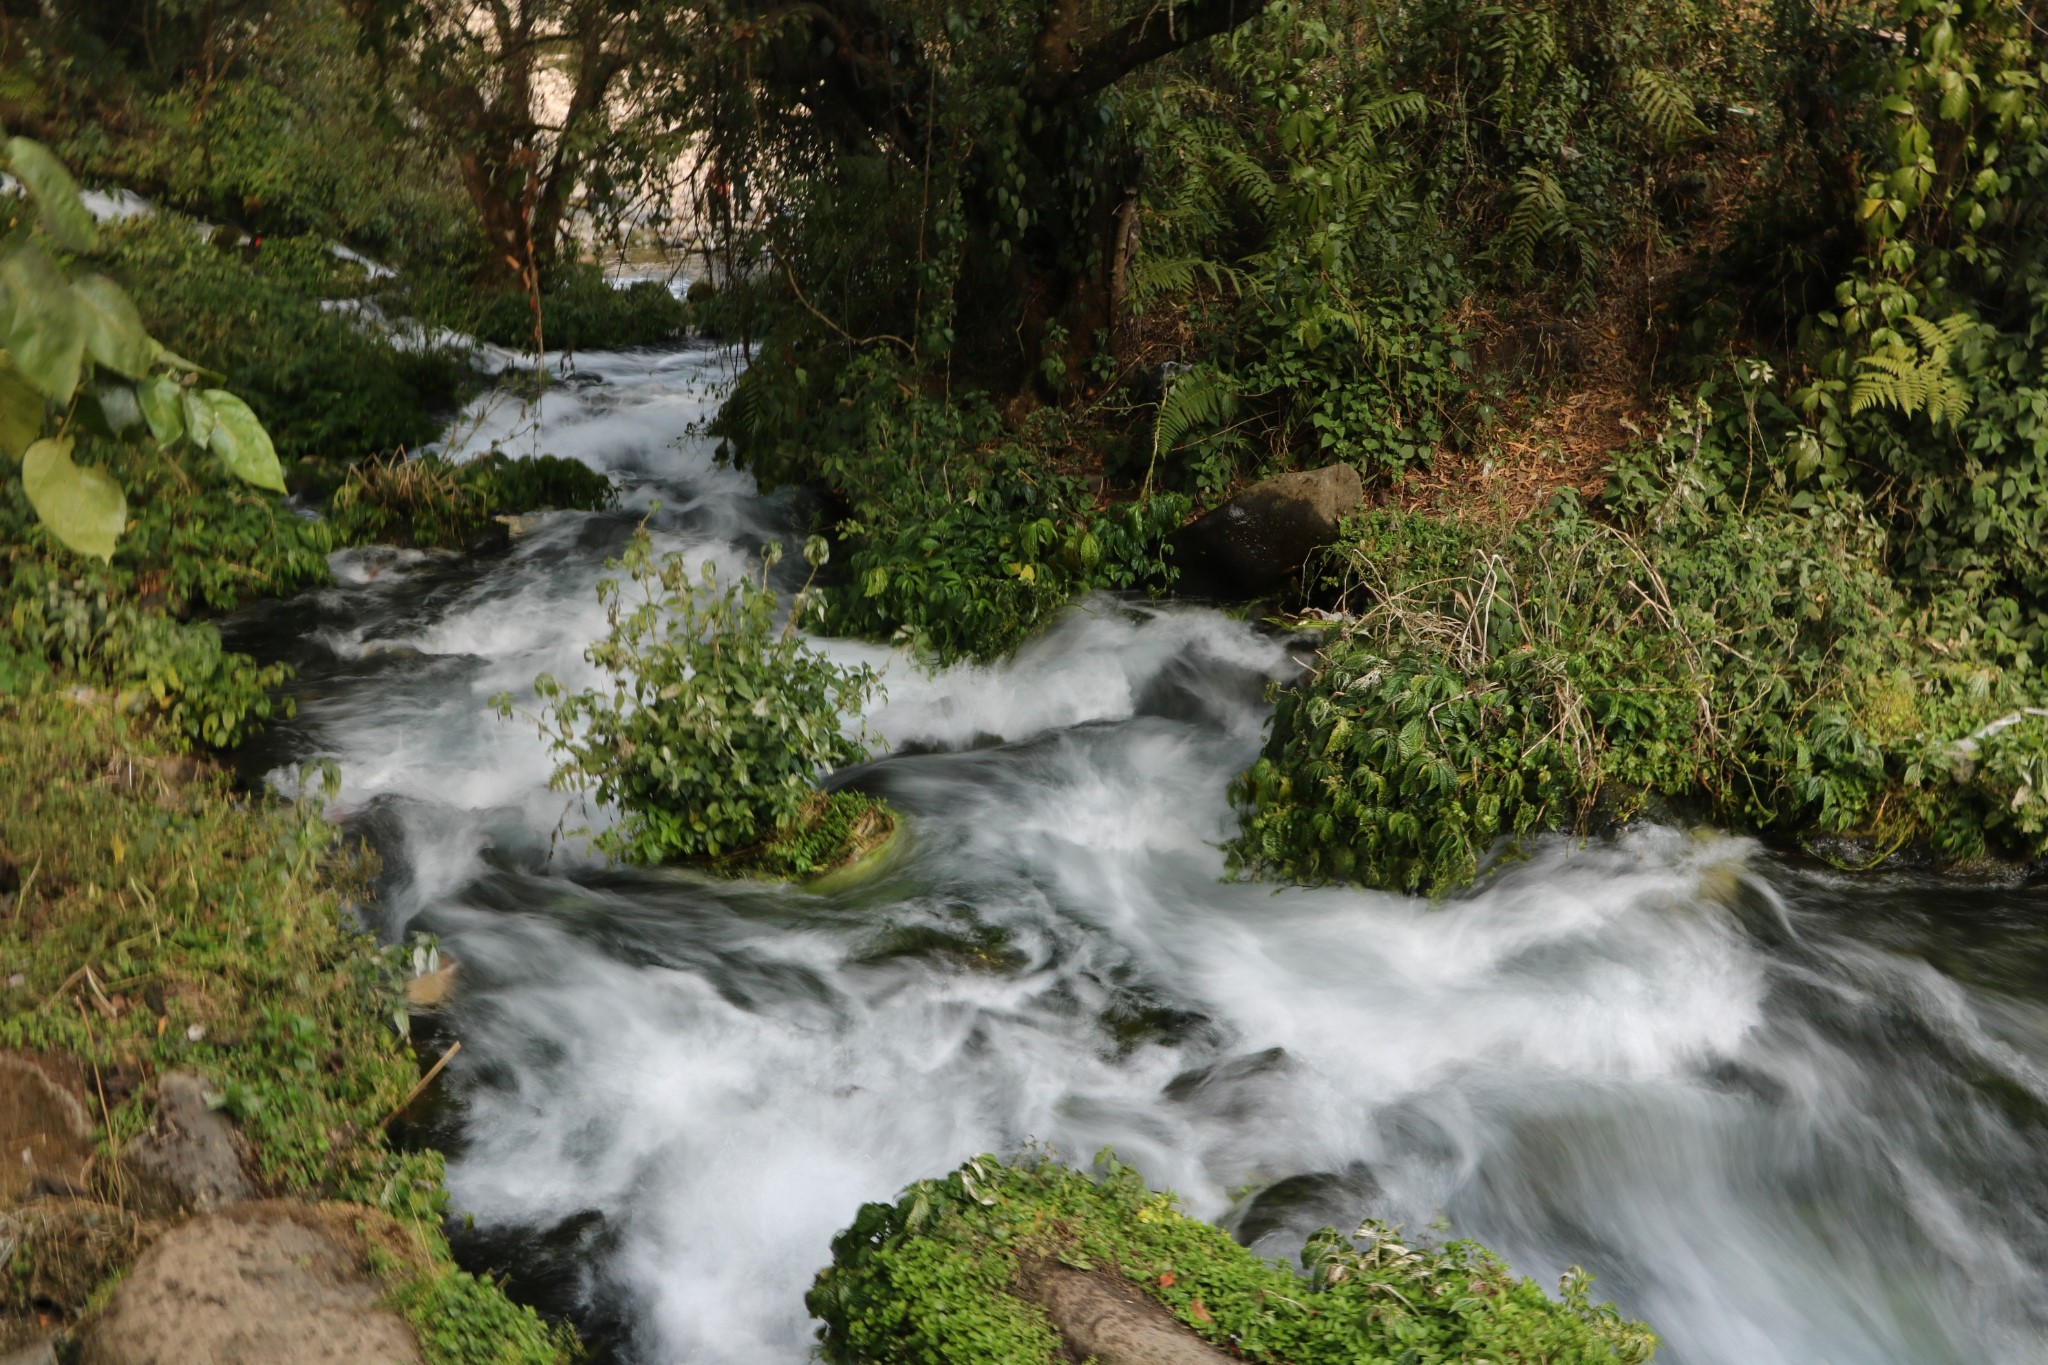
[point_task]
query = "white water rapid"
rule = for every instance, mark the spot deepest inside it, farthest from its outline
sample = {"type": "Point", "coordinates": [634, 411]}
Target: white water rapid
{"type": "Point", "coordinates": [1786, 1118]}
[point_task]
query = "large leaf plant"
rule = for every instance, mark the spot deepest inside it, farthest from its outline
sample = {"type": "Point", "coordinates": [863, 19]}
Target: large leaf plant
{"type": "Point", "coordinates": [76, 361]}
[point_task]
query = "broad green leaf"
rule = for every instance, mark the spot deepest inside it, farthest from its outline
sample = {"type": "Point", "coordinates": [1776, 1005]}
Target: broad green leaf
{"type": "Point", "coordinates": [162, 407]}
{"type": "Point", "coordinates": [55, 192]}
{"type": "Point", "coordinates": [114, 334]}
{"type": "Point", "coordinates": [198, 417]}
{"type": "Point", "coordinates": [41, 322]}
{"type": "Point", "coordinates": [21, 409]}
{"type": "Point", "coordinates": [242, 443]}
{"type": "Point", "coordinates": [82, 506]}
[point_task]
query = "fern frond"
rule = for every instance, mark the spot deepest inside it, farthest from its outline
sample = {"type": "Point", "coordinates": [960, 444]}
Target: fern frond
{"type": "Point", "coordinates": [1666, 106]}
{"type": "Point", "coordinates": [1195, 399]}
{"type": "Point", "coordinates": [1538, 211]}
{"type": "Point", "coordinates": [1916, 379]}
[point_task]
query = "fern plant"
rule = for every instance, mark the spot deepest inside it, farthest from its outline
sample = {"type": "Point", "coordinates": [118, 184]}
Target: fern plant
{"type": "Point", "coordinates": [1910, 372]}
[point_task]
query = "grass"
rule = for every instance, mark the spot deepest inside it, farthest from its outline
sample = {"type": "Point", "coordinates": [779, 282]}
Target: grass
{"type": "Point", "coordinates": [152, 919]}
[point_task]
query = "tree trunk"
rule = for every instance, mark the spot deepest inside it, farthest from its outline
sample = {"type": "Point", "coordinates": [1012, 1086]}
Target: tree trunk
{"type": "Point", "coordinates": [499, 212]}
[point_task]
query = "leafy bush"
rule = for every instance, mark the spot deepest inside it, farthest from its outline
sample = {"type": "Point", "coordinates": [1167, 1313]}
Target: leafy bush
{"type": "Point", "coordinates": [582, 311]}
{"type": "Point", "coordinates": [957, 536]}
{"type": "Point", "coordinates": [1749, 657]}
{"type": "Point", "coordinates": [428, 500]}
{"type": "Point", "coordinates": [1284, 225]}
{"type": "Point", "coordinates": [716, 722]}
{"type": "Point", "coordinates": [321, 384]}
{"type": "Point", "coordinates": [934, 1279]}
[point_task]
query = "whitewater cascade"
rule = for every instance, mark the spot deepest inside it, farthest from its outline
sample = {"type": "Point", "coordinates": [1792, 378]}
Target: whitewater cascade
{"type": "Point", "coordinates": [1782, 1116]}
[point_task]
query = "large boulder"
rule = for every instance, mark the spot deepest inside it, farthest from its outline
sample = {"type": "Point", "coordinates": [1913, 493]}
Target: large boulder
{"type": "Point", "coordinates": [1259, 540]}
{"type": "Point", "coordinates": [190, 1160]}
{"type": "Point", "coordinates": [261, 1284]}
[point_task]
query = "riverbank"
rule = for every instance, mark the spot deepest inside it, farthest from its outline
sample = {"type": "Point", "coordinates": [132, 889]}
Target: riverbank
{"type": "Point", "coordinates": [194, 1023]}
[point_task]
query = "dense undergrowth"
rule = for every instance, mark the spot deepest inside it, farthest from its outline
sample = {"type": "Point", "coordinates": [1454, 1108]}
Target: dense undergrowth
{"type": "Point", "coordinates": [938, 1278]}
{"type": "Point", "coordinates": [156, 920]}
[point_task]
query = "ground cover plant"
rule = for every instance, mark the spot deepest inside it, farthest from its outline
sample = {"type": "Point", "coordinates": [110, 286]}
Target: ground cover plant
{"type": "Point", "coordinates": [939, 1278]}
{"type": "Point", "coordinates": [156, 920]}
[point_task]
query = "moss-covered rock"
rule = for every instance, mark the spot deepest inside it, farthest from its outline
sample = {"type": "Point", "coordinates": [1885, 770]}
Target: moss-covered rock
{"type": "Point", "coordinates": [951, 1274]}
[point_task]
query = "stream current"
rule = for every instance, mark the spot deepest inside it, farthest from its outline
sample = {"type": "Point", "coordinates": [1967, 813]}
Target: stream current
{"type": "Point", "coordinates": [1783, 1116]}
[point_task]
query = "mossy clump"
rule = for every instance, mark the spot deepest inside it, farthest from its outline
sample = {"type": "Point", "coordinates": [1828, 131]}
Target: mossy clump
{"type": "Point", "coordinates": [937, 1278]}
{"type": "Point", "coordinates": [152, 920]}
{"type": "Point", "coordinates": [428, 501]}
{"type": "Point", "coordinates": [831, 835]}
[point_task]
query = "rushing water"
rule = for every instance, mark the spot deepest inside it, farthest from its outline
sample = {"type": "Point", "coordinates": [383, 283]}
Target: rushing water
{"type": "Point", "coordinates": [1784, 1117]}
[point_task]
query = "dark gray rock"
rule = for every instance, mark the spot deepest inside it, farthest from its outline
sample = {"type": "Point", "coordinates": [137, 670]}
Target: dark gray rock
{"type": "Point", "coordinates": [190, 1159]}
{"type": "Point", "coordinates": [1258, 541]}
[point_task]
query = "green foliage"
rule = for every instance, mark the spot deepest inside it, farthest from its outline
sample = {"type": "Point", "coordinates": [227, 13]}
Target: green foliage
{"type": "Point", "coordinates": [828, 832]}
{"type": "Point", "coordinates": [322, 384]}
{"type": "Point", "coordinates": [1738, 650]}
{"type": "Point", "coordinates": [462, 1319]}
{"type": "Point", "coordinates": [158, 921]}
{"type": "Point", "coordinates": [75, 343]}
{"type": "Point", "coordinates": [1923, 386]}
{"type": "Point", "coordinates": [957, 536]}
{"type": "Point", "coordinates": [1285, 222]}
{"type": "Point", "coordinates": [582, 311]}
{"type": "Point", "coordinates": [936, 1279]}
{"type": "Point", "coordinates": [716, 722]}
{"type": "Point", "coordinates": [426, 500]}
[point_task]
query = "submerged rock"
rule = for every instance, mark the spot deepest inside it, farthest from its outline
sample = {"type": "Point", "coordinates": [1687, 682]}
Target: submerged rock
{"type": "Point", "coordinates": [1253, 544]}
{"type": "Point", "coordinates": [190, 1159]}
{"type": "Point", "coordinates": [262, 1284]}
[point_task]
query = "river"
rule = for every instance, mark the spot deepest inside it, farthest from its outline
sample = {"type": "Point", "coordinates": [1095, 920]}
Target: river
{"type": "Point", "coordinates": [1784, 1116]}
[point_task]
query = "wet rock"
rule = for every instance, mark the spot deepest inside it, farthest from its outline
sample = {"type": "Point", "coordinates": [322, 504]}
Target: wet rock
{"type": "Point", "coordinates": [262, 1284]}
{"type": "Point", "coordinates": [190, 1159]}
{"type": "Point", "coordinates": [45, 1133]}
{"type": "Point", "coordinates": [1253, 544]}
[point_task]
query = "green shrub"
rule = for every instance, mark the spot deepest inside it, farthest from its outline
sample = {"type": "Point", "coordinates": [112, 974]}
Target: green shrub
{"type": "Point", "coordinates": [957, 536]}
{"type": "Point", "coordinates": [1747, 657]}
{"type": "Point", "coordinates": [321, 384]}
{"type": "Point", "coordinates": [198, 540]}
{"type": "Point", "coordinates": [716, 723]}
{"type": "Point", "coordinates": [582, 311]}
{"type": "Point", "coordinates": [934, 1279]}
{"type": "Point", "coordinates": [428, 500]}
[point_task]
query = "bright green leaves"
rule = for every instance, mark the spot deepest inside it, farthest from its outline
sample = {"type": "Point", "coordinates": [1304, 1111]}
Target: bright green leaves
{"type": "Point", "coordinates": [197, 416]}
{"type": "Point", "coordinates": [21, 410]}
{"type": "Point", "coordinates": [68, 343]}
{"type": "Point", "coordinates": [81, 505]}
{"type": "Point", "coordinates": [41, 322]}
{"type": "Point", "coordinates": [716, 719]}
{"type": "Point", "coordinates": [163, 407]}
{"type": "Point", "coordinates": [63, 216]}
{"type": "Point", "coordinates": [241, 442]}
{"type": "Point", "coordinates": [114, 334]}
